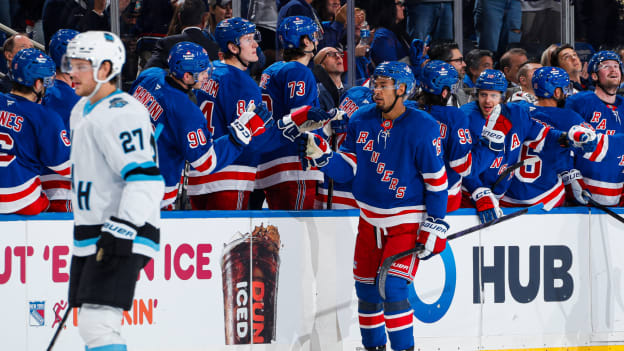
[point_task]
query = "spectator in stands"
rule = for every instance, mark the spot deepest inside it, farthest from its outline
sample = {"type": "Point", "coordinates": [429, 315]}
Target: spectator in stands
{"type": "Point", "coordinates": [499, 24]}
{"type": "Point", "coordinates": [328, 70]}
{"type": "Point", "coordinates": [448, 52]}
{"type": "Point", "coordinates": [525, 75]}
{"type": "Point", "coordinates": [11, 47]}
{"type": "Point", "coordinates": [264, 14]}
{"type": "Point", "coordinates": [219, 10]}
{"type": "Point", "coordinates": [79, 15]}
{"type": "Point", "coordinates": [566, 57]}
{"type": "Point", "coordinates": [192, 20]}
{"type": "Point", "coordinates": [391, 42]}
{"type": "Point", "coordinates": [430, 17]}
{"type": "Point", "coordinates": [509, 64]}
{"type": "Point", "coordinates": [545, 59]}
{"type": "Point", "coordinates": [477, 61]}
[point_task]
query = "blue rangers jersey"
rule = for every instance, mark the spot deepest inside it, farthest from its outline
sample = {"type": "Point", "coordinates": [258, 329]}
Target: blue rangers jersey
{"type": "Point", "coordinates": [604, 118]}
{"type": "Point", "coordinates": [522, 130]}
{"type": "Point", "coordinates": [538, 181]}
{"type": "Point", "coordinates": [396, 166]}
{"type": "Point", "coordinates": [222, 100]}
{"type": "Point", "coordinates": [185, 135]}
{"type": "Point", "coordinates": [456, 142]}
{"type": "Point", "coordinates": [286, 86]}
{"type": "Point", "coordinates": [602, 173]}
{"type": "Point", "coordinates": [60, 98]}
{"type": "Point", "coordinates": [32, 138]}
{"type": "Point", "coordinates": [114, 172]}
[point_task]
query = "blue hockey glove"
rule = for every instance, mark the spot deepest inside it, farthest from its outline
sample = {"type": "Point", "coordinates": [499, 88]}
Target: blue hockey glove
{"type": "Point", "coordinates": [432, 234]}
{"type": "Point", "coordinates": [313, 151]}
{"type": "Point", "coordinates": [582, 139]}
{"type": "Point", "coordinates": [305, 119]}
{"type": "Point", "coordinates": [571, 180]}
{"type": "Point", "coordinates": [487, 204]}
{"type": "Point", "coordinates": [116, 238]}
{"type": "Point", "coordinates": [338, 123]}
{"type": "Point", "coordinates": [418, 56]}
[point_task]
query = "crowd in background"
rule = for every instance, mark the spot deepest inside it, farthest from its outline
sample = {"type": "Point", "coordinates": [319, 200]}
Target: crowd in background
{"type": "Point", "coordinates": [516, 37]}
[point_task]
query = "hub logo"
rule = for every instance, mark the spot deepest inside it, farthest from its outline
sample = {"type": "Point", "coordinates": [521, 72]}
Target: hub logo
{"type": "Point", "coordinates": [431, 313]}
{"type": "Point", "coordinates": [37, 313]}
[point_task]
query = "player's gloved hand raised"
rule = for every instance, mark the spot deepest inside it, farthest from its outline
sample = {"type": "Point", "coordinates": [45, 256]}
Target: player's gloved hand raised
{"type": "Point", "coordinates": [582, 139]}
{"type": "Point", "coordinates": [495, 129]}
{"type": "Point", "coordinates": [571, 180]}
{"type": "Point", "coordinates": [338, 123]}
{"type": "Point", "coordinates": [250, 123]}
{"type": "Point", "coordinates": [116, 238]}
{"type": "Point", "coordinates": [487, 204]}
{"type": "Point", "coordinates": [313, 151]}
{"type": "Point", "coordinates": [304, 119]}
{"type": "Point", "coordinates": [418, 55]}
{"type": "Point", "coordinates": [432, 234]}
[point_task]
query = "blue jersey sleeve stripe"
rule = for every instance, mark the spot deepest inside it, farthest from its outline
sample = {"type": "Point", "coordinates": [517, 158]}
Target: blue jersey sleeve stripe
{"type": "Point", "coordinates": [144, 177]}
{"type": "Point", "coordinates": [86, 242]}
{"type": "Point", "coordinates": [147, 242]}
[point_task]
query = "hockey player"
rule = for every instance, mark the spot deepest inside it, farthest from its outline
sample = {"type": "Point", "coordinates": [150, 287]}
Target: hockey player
{"type": "Point", "coordinates": [32, 138]}
{"type": "Point", "coordinates": [287, 86]}
{"type": "Point", "coordinates": [222, 99]}
{"type": "Point", "coordinates": [393, 156]}
{"type": "Point", "coordinates": [601, 109]}
{"type": "Point", "coordinates": [437, 79]}
{"type": "Point", "coordinates": [117, 188]}
{"type": "Point", "coordinates": [543, 174]}
{"type": "Point", "coordinates": [504, 128]}
{"type": "Point", "coordinates": [60, 98]}
{"type": "Point", "coordinates": [185, 134]}
{"type": "Point", "coordinates": [342, 196]}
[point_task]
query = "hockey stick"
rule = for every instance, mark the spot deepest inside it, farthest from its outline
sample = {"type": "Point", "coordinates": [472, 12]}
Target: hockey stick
{"type": "Point", "coordinates": [330, 186]}
{"type": "Point", "coordinates": [510, 169]}
{"type": "Point", "coordinates": [59, 328]}
{"type": "Point", "coordinates": [387, 263]}
{"type": "Point", "coordinates": [604, 208]}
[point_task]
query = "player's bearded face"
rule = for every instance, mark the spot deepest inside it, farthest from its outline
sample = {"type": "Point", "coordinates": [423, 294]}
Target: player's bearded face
{"type": "Point", "coordinates": [82, 77]}
{"type": "Point", "coordinates": [609, 74]}
{"type": "Point", "coordinates": [384, 93]}
{"type": "Point", "coordinates": [488, 99]}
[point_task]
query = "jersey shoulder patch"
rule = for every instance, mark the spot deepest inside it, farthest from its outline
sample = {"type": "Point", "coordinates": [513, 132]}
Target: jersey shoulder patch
{"type": "Point", "coordinates": [117, 103]}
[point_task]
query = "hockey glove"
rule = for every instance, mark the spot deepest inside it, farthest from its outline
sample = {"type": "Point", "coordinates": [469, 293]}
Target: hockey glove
{"type": "Point", "coordinates": [256, 119]}
{"type": "Point", "coordinates": [495, 129]}
{"type": "Point", "coordinates": [432, 234]}
{"type": "Point", "coordinates": [487, 204]}
{"type": "Point", "coordinates": [582, 139]}
{"type": "Point", "coordinates": [116, 238]}
{"type": "Point", "coordinates": [338, 123]}
{"type": "Point", "coordinates": [313, 151]}
{"type": "Point", "coordinates": [571, 180]}
{"type": "Point", "coordinates": [418, 56]}
{"type": "Point", "coordinates": [305, 119]}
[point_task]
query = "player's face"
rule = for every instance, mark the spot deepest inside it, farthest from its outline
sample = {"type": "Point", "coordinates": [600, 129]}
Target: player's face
{"type": "Point", "coordinates": [384, 92]}
{"type": "Point", "coordinates": [488, 99]}
{"type": "Point", "coordinates": [81, 73]}
{"type": "Point", "coordinates": [609, 75]}
{"type": "Point", "coordinates": [569, 60]}
{"type": "Point", "coordinates": [248, 46]}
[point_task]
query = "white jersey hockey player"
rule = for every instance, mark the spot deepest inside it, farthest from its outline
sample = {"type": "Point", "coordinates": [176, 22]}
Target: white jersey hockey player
{"type": "Point", "coordinates": [117, 188]}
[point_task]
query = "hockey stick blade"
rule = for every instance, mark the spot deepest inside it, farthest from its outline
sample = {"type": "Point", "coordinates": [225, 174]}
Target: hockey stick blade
{"type": "Point", "coordinates": [604, 208]}
{"type": "Point", "coordinates": [387, 263]}
{"type": "Point", "coordinates": [59, 328]}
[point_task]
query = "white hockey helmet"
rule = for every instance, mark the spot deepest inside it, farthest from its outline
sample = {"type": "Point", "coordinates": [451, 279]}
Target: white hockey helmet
{"type": "Point", "coordinates": [96, 47]}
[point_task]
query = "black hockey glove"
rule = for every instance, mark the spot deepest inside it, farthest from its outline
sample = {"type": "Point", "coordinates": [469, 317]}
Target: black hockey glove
{"type": "Point", "coordinates": [116, 238]}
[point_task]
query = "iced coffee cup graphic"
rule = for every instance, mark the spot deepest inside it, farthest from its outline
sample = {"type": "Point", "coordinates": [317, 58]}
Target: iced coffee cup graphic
{"type": "Point", "coordinates": [250, 305]}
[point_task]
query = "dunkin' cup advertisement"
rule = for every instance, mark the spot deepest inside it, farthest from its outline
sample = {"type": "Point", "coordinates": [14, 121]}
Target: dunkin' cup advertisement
{"type": "Point", "coordinates": [250, 271]}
